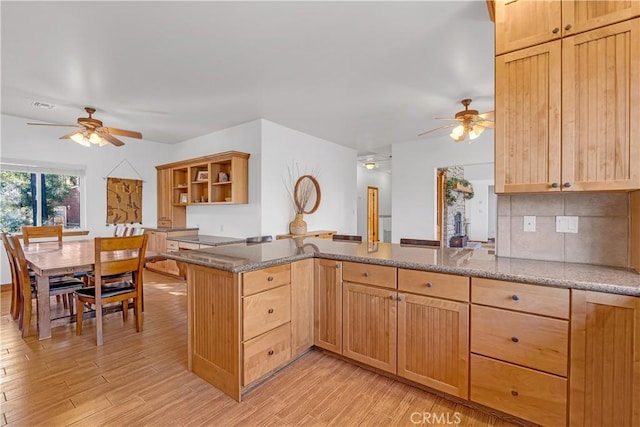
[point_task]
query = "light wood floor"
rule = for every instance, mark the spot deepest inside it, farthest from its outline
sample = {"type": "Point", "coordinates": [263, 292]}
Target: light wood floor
{"type": "Point", "coordinates": [142, 379]}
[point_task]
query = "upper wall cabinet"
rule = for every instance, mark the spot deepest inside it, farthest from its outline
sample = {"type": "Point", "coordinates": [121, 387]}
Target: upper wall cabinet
{"type": "Point", "coordinates": [524, 23]}
{"type": "Point", "coordinates": [568, 111]}
{"type": "Point", "coordinates": [215, 179]}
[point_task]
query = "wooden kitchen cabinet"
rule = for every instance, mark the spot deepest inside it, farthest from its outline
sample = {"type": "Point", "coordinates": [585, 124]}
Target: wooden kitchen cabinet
{"type": "Point", "coordinates": [585, 85]}
{"type": "Point", "coordinates": [156, 242]}
{"type": "Point", "coordinates": [328, 305]}
{"type": "Point", "coordinates": [525, 23]}
{"type": "Point", "coordinates": [433, 343]}
{"type": "Point", "coordinates": [605, 359]}
{"type": "Point", "coordinates": [369, 325]}
{"type": "Point", "coordinates": [164, 198]}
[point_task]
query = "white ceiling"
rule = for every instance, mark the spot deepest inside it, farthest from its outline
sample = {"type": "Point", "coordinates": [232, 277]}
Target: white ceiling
{"type": "Point", "coordinates": [361, 74]}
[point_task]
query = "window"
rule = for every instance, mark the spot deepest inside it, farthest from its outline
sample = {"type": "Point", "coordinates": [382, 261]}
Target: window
{"type": "Point", "coordinates": [40, 195]}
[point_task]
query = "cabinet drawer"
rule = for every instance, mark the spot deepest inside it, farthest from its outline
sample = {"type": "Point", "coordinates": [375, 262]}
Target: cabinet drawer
{"type": "Point", "coordinates": [266, 310]}
{"type": "Point", "coordinates": [434, 284]}
{"type": "Point", "coordinates": [188, 246]}
{"type": "Point", "coordinates": [164, 223]}
{"type": "Point", "coordinates": [525, 339]}
{"type": "Point", "coordinates": [172, 246]}
{"type": "Point", "coordinates": [535, 299]}
{"type": "Point", "coordinates": [265, 353]}
{"type": "Point", "coordinates": [525, 393]}
{"type": "Point", "coordinates": [369, 274]}
{"type": "Point", "coordinates": [265, 278]}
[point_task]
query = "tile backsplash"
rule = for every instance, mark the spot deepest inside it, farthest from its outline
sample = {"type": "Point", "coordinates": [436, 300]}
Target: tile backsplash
{"type": "Point", "coordinates": [603, 228]}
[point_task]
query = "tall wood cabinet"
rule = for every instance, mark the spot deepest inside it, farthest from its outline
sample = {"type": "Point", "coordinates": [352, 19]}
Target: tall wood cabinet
{"type": "Point", "coordinates": [605, 360]}
{"type": "Point", "coordinates": [214, 179]}
{"type": "Point", "coordinates": [565, 109]}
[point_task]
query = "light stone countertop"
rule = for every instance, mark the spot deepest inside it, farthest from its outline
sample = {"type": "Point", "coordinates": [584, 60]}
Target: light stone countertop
{"type": "Point", "coordinates": [242, 257]}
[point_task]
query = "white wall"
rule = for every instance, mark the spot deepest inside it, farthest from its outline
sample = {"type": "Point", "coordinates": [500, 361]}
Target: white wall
{"type": "Point", "coordinates": [284, 148]}
{"type": "Point", "coordinates": [477, 210]}
{"type": "Point", "coordinates": [227, 220]}
{"type": "Point", "coordinates": [41, 143]}
{"type": "Point", "coordinates": [373, 178]}
{"type": "Point", "coordinates": [413, 169]}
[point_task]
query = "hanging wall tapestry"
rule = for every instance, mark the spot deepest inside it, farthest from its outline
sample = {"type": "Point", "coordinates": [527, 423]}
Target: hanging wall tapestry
{"type": "Point", "coordinates": [124, 201]}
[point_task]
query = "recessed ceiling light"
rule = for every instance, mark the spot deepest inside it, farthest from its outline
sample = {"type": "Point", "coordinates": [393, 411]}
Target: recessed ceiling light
{"type": "Point", "coordinates": [43, 105]}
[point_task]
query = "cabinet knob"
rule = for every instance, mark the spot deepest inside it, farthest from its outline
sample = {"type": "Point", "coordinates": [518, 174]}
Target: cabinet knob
{"type": "Point", "coordinates": [270, 278]}
{"type": "Point", "coordinates": [270, 353]}
{"type": "Point", "coordinates": [515, 297]}
{"type": "Point", "coordinates": [566, 185]}
{"type": "Point", "coordinates": [391, 297]}
{"type": "Point", "coordinates": [514, 339]}
{"type": "Point", "coordinates": [366, 274]}
{"type": "Point", "coordinates": [337, 265]}
{"type": "Point", "coordinates": [429, 284]}
{"type": "Point", "coordinates": [567, 27]}
{"type": "Point", "coordinates": [399, 297]}
{"type": "Point", "coordinates": [555, 30]}
{"type": "Point", "coordinates": [514, 392]}
{"type": "Point", "coordinates": [555, 185]}
{"type": "Point", "coordinates": [270, 311]}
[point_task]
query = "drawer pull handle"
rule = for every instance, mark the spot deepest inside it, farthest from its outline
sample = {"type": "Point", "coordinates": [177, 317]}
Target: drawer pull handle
{"type": "Point", "coordinates": [366, 274]}
{"type": "Point", "coordinates": [555, 30]}
{"type": "Point", "coordinates": [566, 185]}
{"type": "Point", "coordinates": [270, 353]}
{"type": "Point", "coordinates": [515, 297]}
{"type": "Point", "coordinates": [429, 284]}
{"type": "Point", "coordinates": [567, 27]}
{"type": "Point", "coordinates": [514, 339]}
{"type": "Point", "coordinates": [270, 311]}
{"type": "Point", "coordinates": [555, 185]}
{"type": "Point", "coordinates": [270, 278]}
{"type": "Point", "coordinates": [514, 392]}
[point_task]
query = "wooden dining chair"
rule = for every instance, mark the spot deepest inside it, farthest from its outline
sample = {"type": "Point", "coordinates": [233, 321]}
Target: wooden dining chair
{"type": "Point", "coordinates": [114, 256]}
{"type": "Point", "coordinates": [14, 310]}
{"type": "Point", "coordinates": [346, 238]}
{"type": "Point", "coordinates": [30, 232]}
{"type": "Point", "coordinates": [58, 286]}
{"type": "Point", "coordinates": [420, 242]}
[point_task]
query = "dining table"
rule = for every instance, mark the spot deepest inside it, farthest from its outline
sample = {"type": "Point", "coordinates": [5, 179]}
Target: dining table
{"type": "Point", "coordinates": [50, 259]}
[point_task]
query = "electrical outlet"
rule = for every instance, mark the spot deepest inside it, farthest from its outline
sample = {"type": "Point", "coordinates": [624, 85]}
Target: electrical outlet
{"type": "Point", "coordinates": [566, 224]}
{"type": "Point", "coordinates": [530, 224]}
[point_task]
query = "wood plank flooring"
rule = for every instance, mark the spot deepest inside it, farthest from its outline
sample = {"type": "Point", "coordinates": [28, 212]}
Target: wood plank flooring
{"type": "Point", "coordinates": [142, 379]}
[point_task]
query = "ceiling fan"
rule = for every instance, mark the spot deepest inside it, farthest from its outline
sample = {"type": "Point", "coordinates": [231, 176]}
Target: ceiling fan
{"type": "Point", "coordinates": [466, 122]}
{"type": "Point", "coordinates": [91, 131]}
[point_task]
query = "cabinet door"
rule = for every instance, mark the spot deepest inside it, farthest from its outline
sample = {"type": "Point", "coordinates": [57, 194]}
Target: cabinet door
{"type": "Point", "coordinates": [524, 23]}
{"type": "Point", "coordinates": [301, 306]}
{"type": "Point", "coordinates": [433, 343]}
{"type": "Point", "coordinates": [601, 109]}
{"type": "Point", "coordinates": [157, 242]}
{"type": "Point", "coordinates": [527, 138]}
{"type": "Point", "coordinates": [579, 15]}
{"type": "Point", "coordinates": [328, 305]}
{"type": "Point", "coordinates": [164, 197]}
{"type": "Point", "coordinates": [369, 325]}
{"type": "Point", "coordinates": [605, 360]}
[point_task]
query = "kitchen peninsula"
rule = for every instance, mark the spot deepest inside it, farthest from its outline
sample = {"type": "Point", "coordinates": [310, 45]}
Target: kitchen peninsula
{"type": "Point", "coordinates": [493, 331]}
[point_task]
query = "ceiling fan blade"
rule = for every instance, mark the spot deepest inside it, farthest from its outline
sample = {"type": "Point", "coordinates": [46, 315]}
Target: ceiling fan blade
{"type": "Point", "coordinates": [487, 124]}
{"type": "Point", "coordinates": [487, 115]}
{"type": "Point", "coordinates": [121, 132]}
{"type": "Point", "coordinates": [440, 128]}
{"type": "Point", "coordinates": [67, 136]}
{"type": "Point", "coordinates": [112, 139]}
{"type": "Point", "coordinates": [51, 124]}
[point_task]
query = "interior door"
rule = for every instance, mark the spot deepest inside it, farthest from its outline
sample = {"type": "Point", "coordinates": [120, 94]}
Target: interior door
{"type": "Point", "coordinates": [372, 214]}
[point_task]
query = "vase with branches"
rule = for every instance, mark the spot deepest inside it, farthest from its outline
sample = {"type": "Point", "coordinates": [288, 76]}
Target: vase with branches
{"type": "Point", "coordinates": [304, 194]}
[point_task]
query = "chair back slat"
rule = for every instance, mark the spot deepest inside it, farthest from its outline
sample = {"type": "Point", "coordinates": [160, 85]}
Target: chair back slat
{"type": "Point", "coordinates": [22, 271]}
{"type": "Point", "coordinates": [15, 282]}
{"type": "Point", "coordinates": [420, 242]}
{"type": "Point", "coordinates": [115, 255]}
{"type": "Point", "coordinates": [30, 232]}
{"type": "Point", "coordinates": [347, 238]}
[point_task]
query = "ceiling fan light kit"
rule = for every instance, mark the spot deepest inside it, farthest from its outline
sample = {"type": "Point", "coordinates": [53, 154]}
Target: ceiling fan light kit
{"type": "Point", "coordinates": [467, 123]}
{"type": "Point", "coordinates": [91, 131]}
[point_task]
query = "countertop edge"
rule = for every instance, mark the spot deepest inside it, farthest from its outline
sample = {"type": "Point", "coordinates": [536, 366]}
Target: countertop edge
{"type": "Point", "coordinates": [463, 271]}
